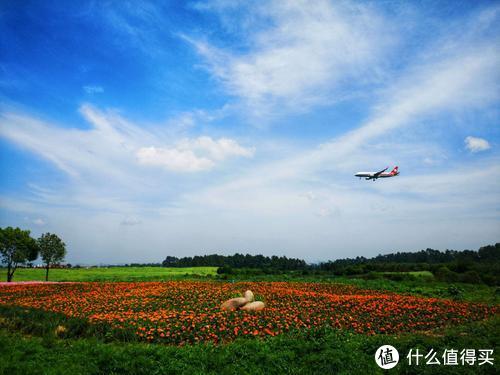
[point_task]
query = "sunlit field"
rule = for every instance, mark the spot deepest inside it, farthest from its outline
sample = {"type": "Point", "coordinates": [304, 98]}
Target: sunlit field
{"type": "Point", "coordinates": [108, 273]}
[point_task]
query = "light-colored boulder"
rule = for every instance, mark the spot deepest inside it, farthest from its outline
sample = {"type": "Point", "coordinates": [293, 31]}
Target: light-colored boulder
{"type": "Point", "coordinates": [233, 303]}
{"type": "Point", "coordinates": [254, 306]}
{"type": "Point", "coordinates": [249, 296]}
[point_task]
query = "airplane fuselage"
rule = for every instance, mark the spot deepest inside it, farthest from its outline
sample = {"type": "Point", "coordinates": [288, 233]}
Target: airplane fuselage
{"type": "Point", "coordinates": [372, 174]}
{"type": "Point", "coordinates": [380, 174]}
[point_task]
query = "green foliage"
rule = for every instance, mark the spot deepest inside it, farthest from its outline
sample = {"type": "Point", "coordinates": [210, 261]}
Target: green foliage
{"type": "Point", "coordinates": [454, 291]}
{"type": "Point", "coordinates": [445, 274]}
{"type": "Point", "coordinates": [16, 247]}
{"type": "Point", "coordinates": [224, 270]}
{"type": "Point", "coordinates": [42, 323]}
{"type": "Point", "coordinates": [237, 261]}
{"type": "Point", "coordinates": [475, 267]}
{"type": "Point", "coordinates": [319, 351]}
{"type": "Point", "coordinates": [52, 250]}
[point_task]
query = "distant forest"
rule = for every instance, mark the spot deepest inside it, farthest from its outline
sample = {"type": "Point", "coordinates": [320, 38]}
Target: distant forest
{"type": "Point", "coordinates": [237, 261]}
{"type": "Point", "coordinates": [481, 266]}
{"type": "Point", "coordinates": [490, 253]}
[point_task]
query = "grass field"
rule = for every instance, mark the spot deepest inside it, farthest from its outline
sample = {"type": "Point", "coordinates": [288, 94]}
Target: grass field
{"type": "Point", "coordinates": [322, 352]}
{"type": "Point", "coordinates": [109, 274]}
{"type": "Point", "coordinates": [412, 273]}
{"type": "Point", "coordinates": [31, 340]}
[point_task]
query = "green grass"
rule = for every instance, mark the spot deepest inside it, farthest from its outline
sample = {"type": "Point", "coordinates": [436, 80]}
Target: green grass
{"type": "Point", "coordinates": [109, 274]}
{"type": "Point", "coordinates": [321, 351]}
{"type": "Point", "coordinates": [430, 288]}
{"type": "Point", "coordinates": [412, 273]}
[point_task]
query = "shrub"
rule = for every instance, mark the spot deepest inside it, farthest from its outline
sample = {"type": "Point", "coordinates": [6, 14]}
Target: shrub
{"type": "Point", "coordinates": [444, 274]}
{"type": "Point", "coordinates": [471, 277]}
{"type": "Point", "coordinates": [224, 270]}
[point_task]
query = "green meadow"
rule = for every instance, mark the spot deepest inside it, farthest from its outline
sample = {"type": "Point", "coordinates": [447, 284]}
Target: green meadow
{"type": "Point", "coordinates": [109, 273]}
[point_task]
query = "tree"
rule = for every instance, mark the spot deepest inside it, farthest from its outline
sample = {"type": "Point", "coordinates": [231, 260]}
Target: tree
{"type": "Point", "coordinates": [52, 250]}
{"type": "Point", "coordinates": [16, 247]}
{"type": "Point", "coordinates": [170, 261]}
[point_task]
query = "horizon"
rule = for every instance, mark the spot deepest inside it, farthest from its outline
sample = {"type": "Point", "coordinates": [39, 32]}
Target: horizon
{"type": "Point", "coordinates": [309, 263]}
{"type": "Point", "coordinates": [133, 131]}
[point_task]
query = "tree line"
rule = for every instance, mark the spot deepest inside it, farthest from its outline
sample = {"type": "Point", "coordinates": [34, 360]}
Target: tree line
{"type": "Point", "coordinates": [17, 248]}
{"type": "Point", "coordinates": [480, 266]}
{"type": "Point", "coordinates": [490, 253]}
{"type": "Point", "coordinates": [485, 254]}
{"type": "Point", "coordinates": [237, 261]}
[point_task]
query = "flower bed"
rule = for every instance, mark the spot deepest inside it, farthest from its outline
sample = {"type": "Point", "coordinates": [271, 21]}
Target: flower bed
{"type": "Point", "coordinates": [180, 312]}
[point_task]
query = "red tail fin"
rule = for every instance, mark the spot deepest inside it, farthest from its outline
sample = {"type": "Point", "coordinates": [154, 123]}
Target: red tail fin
{"type": "Point", "coordinates": [395, 170]}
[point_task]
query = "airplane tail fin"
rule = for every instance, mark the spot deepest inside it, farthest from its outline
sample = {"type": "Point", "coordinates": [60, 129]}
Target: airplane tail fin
{"type": "Point", "coordinates": [395, 171]}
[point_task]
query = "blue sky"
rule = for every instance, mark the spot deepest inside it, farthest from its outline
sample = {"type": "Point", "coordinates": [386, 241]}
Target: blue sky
{"type": "Point", "coordinates": [136, 130]}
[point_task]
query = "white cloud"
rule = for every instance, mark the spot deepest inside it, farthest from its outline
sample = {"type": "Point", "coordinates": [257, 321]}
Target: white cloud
{"type": "Point", "coordinates": [90, 89]}
{"type": "Point", "coordinates": [183, 158]}
{"type": "Point", "coordinates": [474, 144]}
{"type": "Point", "coordinates": [113, 145]}
{"type": "Point", "coordinates": [310, 196]}
{"type": "Point", "coordinates": [457, 80]}
{"type": "Point", "coordinates": [173, 159]}
{"type": "Point", "coordinates": [217, 149]}
{"type": "Point", "coordinates": [310, 49]}
{"type": "Point", "coordinates": [324, 212]}
{"type": "Point", "coordinates": [130, 221]}
{"type": "Point", "coordinates": [454, 83]}
{"type": "Point", "coordinates": [40, 222]}
{"type": "Point", "coordinates": [280, 205]}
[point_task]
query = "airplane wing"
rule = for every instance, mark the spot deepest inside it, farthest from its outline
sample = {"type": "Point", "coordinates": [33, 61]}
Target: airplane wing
{"type": "Point", "coordinates": [380, 172]}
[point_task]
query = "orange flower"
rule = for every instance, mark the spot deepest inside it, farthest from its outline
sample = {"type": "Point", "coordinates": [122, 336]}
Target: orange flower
{"type": "Point", "coordinates": [180, 312]}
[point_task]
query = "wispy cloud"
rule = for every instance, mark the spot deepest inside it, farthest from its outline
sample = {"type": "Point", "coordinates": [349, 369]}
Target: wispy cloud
{"type": "Point", "coordinates": [454, 81]}
{"type": "Point", "coordinates": [130, 221]}
{"type": "Point", "coordinates": [93, 89]}
{"type": "Point", "coordinates": [192, 155]}
{"type": "Point", "coordinates": [140, 22]}
{"type": "Point", "coordinates": [208, 188]}
{"type": "Point", "coordinates": [307, 51]}
{"type": "Point", "coordinates": [173, 159]}
{"type": "Point", "coordinates": [115, 147]}
{"type": "Point", "coordinates": [39, 222]}
{"type": "Point", "coordinates": [217, 149]}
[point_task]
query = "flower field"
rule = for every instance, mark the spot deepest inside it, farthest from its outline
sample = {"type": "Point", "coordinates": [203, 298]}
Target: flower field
{"type": "Point", "coordinates": [182, 312]}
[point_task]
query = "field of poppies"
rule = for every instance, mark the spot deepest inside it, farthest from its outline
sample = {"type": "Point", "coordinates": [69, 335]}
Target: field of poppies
{"type": "Point", "coordinates": [185, 312]}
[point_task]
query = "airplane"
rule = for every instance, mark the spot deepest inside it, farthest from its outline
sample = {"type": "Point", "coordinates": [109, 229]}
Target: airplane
{"type": "Point", "coordinates": [374, 175]}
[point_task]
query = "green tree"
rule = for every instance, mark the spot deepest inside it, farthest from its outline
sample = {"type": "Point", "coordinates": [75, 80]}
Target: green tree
{"type": "Point", "coordinates": [16, 247]}
{"type": "Point", "coordinates": [52, 250]}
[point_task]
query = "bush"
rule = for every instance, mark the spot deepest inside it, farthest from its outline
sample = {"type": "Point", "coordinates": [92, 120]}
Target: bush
{"type": "Point", "coordinates": [224, 270]}
{"type": "Point", "coordinates": [444, 274]}
{"type": "Point", "coordinates": [454, 291]}
{"type": "Point", "coordinates": [394, 276]}
{"type": "Point", "coordinates": [471, 277]}
{"type": "Point", "coordinates": [353, 270]}
{"type": "Point", "coordinates": [372, 276]}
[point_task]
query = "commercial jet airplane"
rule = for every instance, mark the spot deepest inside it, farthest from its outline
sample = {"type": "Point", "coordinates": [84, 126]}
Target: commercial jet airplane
{"type": "Point", "coordinates": [374, 175]}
